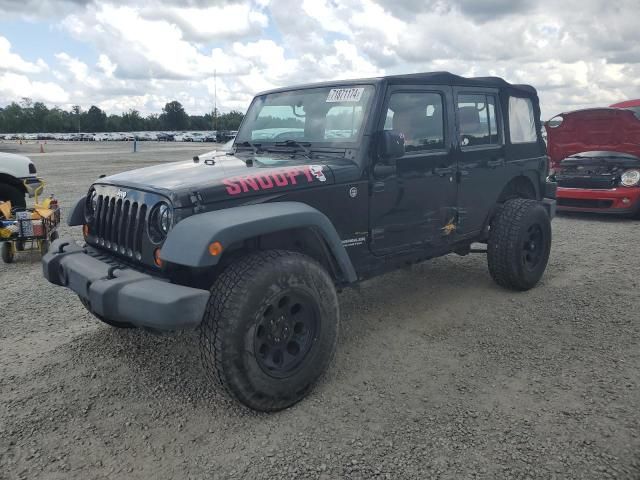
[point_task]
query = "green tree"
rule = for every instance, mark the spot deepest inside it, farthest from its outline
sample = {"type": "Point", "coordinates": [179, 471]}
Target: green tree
{"type": "Point", "coordinates": [174, 117]}
{"type": "Point", "coordinates": [95, 120]}
{"type": "Point", "coordinates": [132, 121]}
{"type": "Point", "coordinates": [28, 116]}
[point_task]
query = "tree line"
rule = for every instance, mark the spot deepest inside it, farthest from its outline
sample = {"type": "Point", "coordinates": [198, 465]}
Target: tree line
{"type": "Point", "coordinates": [27, 116]}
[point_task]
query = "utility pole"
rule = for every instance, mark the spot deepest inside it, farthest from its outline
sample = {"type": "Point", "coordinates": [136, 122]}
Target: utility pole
{"type": "Point", "coordinates": [215, 102]}
{"type": "Point", "coordinates": [76, 110]}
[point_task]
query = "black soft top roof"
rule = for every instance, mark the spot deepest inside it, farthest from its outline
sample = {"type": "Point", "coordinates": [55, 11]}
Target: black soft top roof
{"type": "Point", "coordinates": [432, 78]}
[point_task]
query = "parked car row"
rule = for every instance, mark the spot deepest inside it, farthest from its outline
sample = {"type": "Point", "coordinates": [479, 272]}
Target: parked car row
{"type": "Point", "coordinates": [210, 136]}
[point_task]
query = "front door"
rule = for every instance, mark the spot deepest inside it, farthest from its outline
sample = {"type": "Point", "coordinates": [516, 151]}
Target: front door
{"type": "Point", "coordinates": [413, 204]}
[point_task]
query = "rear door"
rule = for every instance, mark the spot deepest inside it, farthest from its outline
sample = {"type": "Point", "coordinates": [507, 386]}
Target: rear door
{"type": "Point", "coordinates": [481, 156]}
{"type": "Point", "coordinates": [412, 204]}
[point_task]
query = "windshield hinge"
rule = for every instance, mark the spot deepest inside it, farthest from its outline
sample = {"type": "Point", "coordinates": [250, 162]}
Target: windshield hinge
{"type": "Point", "coordinates": [196, 201]}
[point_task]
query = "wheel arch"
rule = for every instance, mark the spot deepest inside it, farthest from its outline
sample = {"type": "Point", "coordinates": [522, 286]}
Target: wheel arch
{"type": "Point", "coordinates": [7, 179]}
{"type": "Point", "coordinates": [281, 225]}
{"type": "Point", "coordinates": [520, 186]}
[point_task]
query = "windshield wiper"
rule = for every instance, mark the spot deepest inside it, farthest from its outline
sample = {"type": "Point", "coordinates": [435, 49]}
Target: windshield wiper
{"type": "Point", "coordinates": [255, 146]}
{"type": "Point", "coordinates": [293, 143]}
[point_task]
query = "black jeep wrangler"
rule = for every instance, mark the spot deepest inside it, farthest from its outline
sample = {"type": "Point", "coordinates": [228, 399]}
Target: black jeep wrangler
{"type": "Point", "coordinates": [326, 185]}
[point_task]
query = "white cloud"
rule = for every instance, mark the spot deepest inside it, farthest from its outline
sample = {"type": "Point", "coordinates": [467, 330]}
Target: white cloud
{"type": "Point", "coordinates": [16, 86]}
{"type": "Point", "coordinates": [79, 70]}
{"type": "Point", "coordinates": [211, 23]}
{"type": "Point", "coordinates": [12, 62]}
{"type": "Point", "coordinates": [578, 53]}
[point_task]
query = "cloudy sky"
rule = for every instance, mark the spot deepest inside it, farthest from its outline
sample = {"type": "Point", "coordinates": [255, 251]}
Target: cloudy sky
{"type": "Point", "coordinates": [140, 54]}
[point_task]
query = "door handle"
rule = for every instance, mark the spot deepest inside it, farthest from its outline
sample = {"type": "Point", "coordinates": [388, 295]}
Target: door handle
{"type": "Point", "coordinates": [498, 162]}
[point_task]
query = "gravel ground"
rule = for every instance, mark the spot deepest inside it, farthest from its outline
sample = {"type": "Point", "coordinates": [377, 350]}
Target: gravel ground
{"type": "Point", "coordinates": [439, 373]}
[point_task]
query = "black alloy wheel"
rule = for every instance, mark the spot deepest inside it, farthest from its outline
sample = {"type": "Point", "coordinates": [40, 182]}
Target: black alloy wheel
{"type": "Point", "coordinates": [533, 247]}
{"type": "Point", "coordinates": [285, 332]}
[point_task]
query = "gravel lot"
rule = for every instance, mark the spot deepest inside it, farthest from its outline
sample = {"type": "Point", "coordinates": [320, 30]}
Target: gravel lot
{"type": "Point", "coordinates": [439, 373]}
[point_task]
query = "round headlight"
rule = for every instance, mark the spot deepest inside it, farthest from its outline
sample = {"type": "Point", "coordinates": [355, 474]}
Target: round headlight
{"type": "Point", "coordinates": [165, 218]}
{"type": "Point", "coordinates": [556, 121]}
{"type": "Point", "coordinates": [92, 203]}
{"type": "Point", "coordinates": [160, 222]}
{"type": "Point", "coordinates": [630, 178]}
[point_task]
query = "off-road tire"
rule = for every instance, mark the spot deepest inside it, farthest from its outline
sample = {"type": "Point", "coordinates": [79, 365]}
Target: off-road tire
{"type": "Point", "coordinates": [111, 323]}
{"type": "Point", "coordinates": [12, 194]}
{"type": "Point", "coordinates": [244, 297]}
{"type": "Point", "coordinates": [507, 247]}
{"type": "Point", "coordinates": [8, 254]}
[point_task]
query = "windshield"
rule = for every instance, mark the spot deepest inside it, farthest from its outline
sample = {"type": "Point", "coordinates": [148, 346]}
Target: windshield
{"type": "Point", "coordinates": [327, 115]}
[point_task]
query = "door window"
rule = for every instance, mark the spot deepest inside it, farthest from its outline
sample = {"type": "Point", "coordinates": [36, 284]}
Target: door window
{"type": "Point", "coordinates": [419, 117]}
{"type": "Point", "coordinates": [477, 120]}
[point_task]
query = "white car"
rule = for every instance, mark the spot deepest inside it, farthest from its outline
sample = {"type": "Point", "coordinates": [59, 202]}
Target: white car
{"type": "Point", "coordinates": [17, 178]}
{"type": "Point", "coordinates": [181, 137]}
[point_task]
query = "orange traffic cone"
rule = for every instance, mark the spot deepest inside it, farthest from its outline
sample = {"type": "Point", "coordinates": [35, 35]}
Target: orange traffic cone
{"type": "Point", "coordinates": [41, 148]}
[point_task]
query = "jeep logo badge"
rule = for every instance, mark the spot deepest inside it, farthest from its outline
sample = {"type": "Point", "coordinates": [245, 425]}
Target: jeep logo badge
{"type": "Point", "coordinates": [121, 194]}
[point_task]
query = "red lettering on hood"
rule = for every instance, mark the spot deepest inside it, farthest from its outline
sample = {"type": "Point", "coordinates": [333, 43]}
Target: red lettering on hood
{"type": "Point", "coordinates": [232, 187]}
{"type": "Point", "coordinates": [274, 179]}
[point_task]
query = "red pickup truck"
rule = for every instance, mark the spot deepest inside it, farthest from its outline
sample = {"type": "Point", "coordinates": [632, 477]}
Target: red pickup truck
{"type": "Point", "coordinates": [595, 159]}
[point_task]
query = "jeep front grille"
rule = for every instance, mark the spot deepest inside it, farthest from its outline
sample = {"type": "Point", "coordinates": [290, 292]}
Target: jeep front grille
{"type": "Point", "coordinates": [119, 225]}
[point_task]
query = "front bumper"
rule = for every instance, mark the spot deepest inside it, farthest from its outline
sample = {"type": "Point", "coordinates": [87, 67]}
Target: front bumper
{"type": "Point", "coordinates": [620, 200]}
{"type": "Point", "coordinates": [122, 294]}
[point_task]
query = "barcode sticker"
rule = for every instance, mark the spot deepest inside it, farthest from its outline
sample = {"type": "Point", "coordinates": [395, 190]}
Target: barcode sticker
{"type": "Point", "coordinates": [345, 95]}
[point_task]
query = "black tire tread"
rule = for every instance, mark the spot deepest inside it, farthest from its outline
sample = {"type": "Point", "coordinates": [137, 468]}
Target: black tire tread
{"type": "Point", "coordinates": [13, 194]}
{"type": "Point", "coordinates": [235, 280]}
{"type": "Point", "coordinates": [7, 252]}
{"type": "Point", "coordinates": [503, 242]}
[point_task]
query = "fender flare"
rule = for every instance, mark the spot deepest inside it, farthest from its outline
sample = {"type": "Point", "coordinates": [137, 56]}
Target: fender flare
{"type": "Point", "coordinates": [77, 213]}
{"type": "Point", "coordinates": [187, 243]}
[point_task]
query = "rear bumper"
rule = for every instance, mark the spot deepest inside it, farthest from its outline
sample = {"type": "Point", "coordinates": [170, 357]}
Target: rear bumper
{"type": "Point", "coordinates": [123, 295]}
{"type": "Point", "coordinates": [621, 200]}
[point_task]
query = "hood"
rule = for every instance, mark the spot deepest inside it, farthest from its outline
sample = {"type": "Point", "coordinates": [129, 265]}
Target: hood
{"type": "Point", "coordinates": [17, 166]}
{"type": "Point", "coordinates": [219, 176]}
{"type": "Point", "coordinates": [601, 129]}
{"type": "Point", "coordinates": [585, 160]}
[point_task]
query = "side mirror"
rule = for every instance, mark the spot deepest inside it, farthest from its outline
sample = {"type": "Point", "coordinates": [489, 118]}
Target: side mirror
{"type": "Point", "coordinates": [391, 146]}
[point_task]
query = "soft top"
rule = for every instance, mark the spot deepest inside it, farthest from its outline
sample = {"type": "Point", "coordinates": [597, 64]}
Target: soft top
{"type": "Point", "coordinates": [433, 78]}
{"type": "Point", "coordinates": [447, 78]}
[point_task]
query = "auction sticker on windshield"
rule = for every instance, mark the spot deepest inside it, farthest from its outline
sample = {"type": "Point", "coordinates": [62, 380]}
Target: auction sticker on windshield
{"type": "Point", "coordinates": [345, 95]}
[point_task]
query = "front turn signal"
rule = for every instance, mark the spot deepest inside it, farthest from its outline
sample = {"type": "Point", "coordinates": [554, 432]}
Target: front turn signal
{"type": "Point", "coordinates": [85, 230]}
{"type": "Point", "coordinates": [215, 249]}
{"type": "Point", "coordinates": [156, 257]}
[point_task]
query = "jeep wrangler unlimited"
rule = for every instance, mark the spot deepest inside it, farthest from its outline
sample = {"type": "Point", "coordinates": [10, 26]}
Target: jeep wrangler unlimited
{"type": "Point", "coordinates": [327, 185]}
